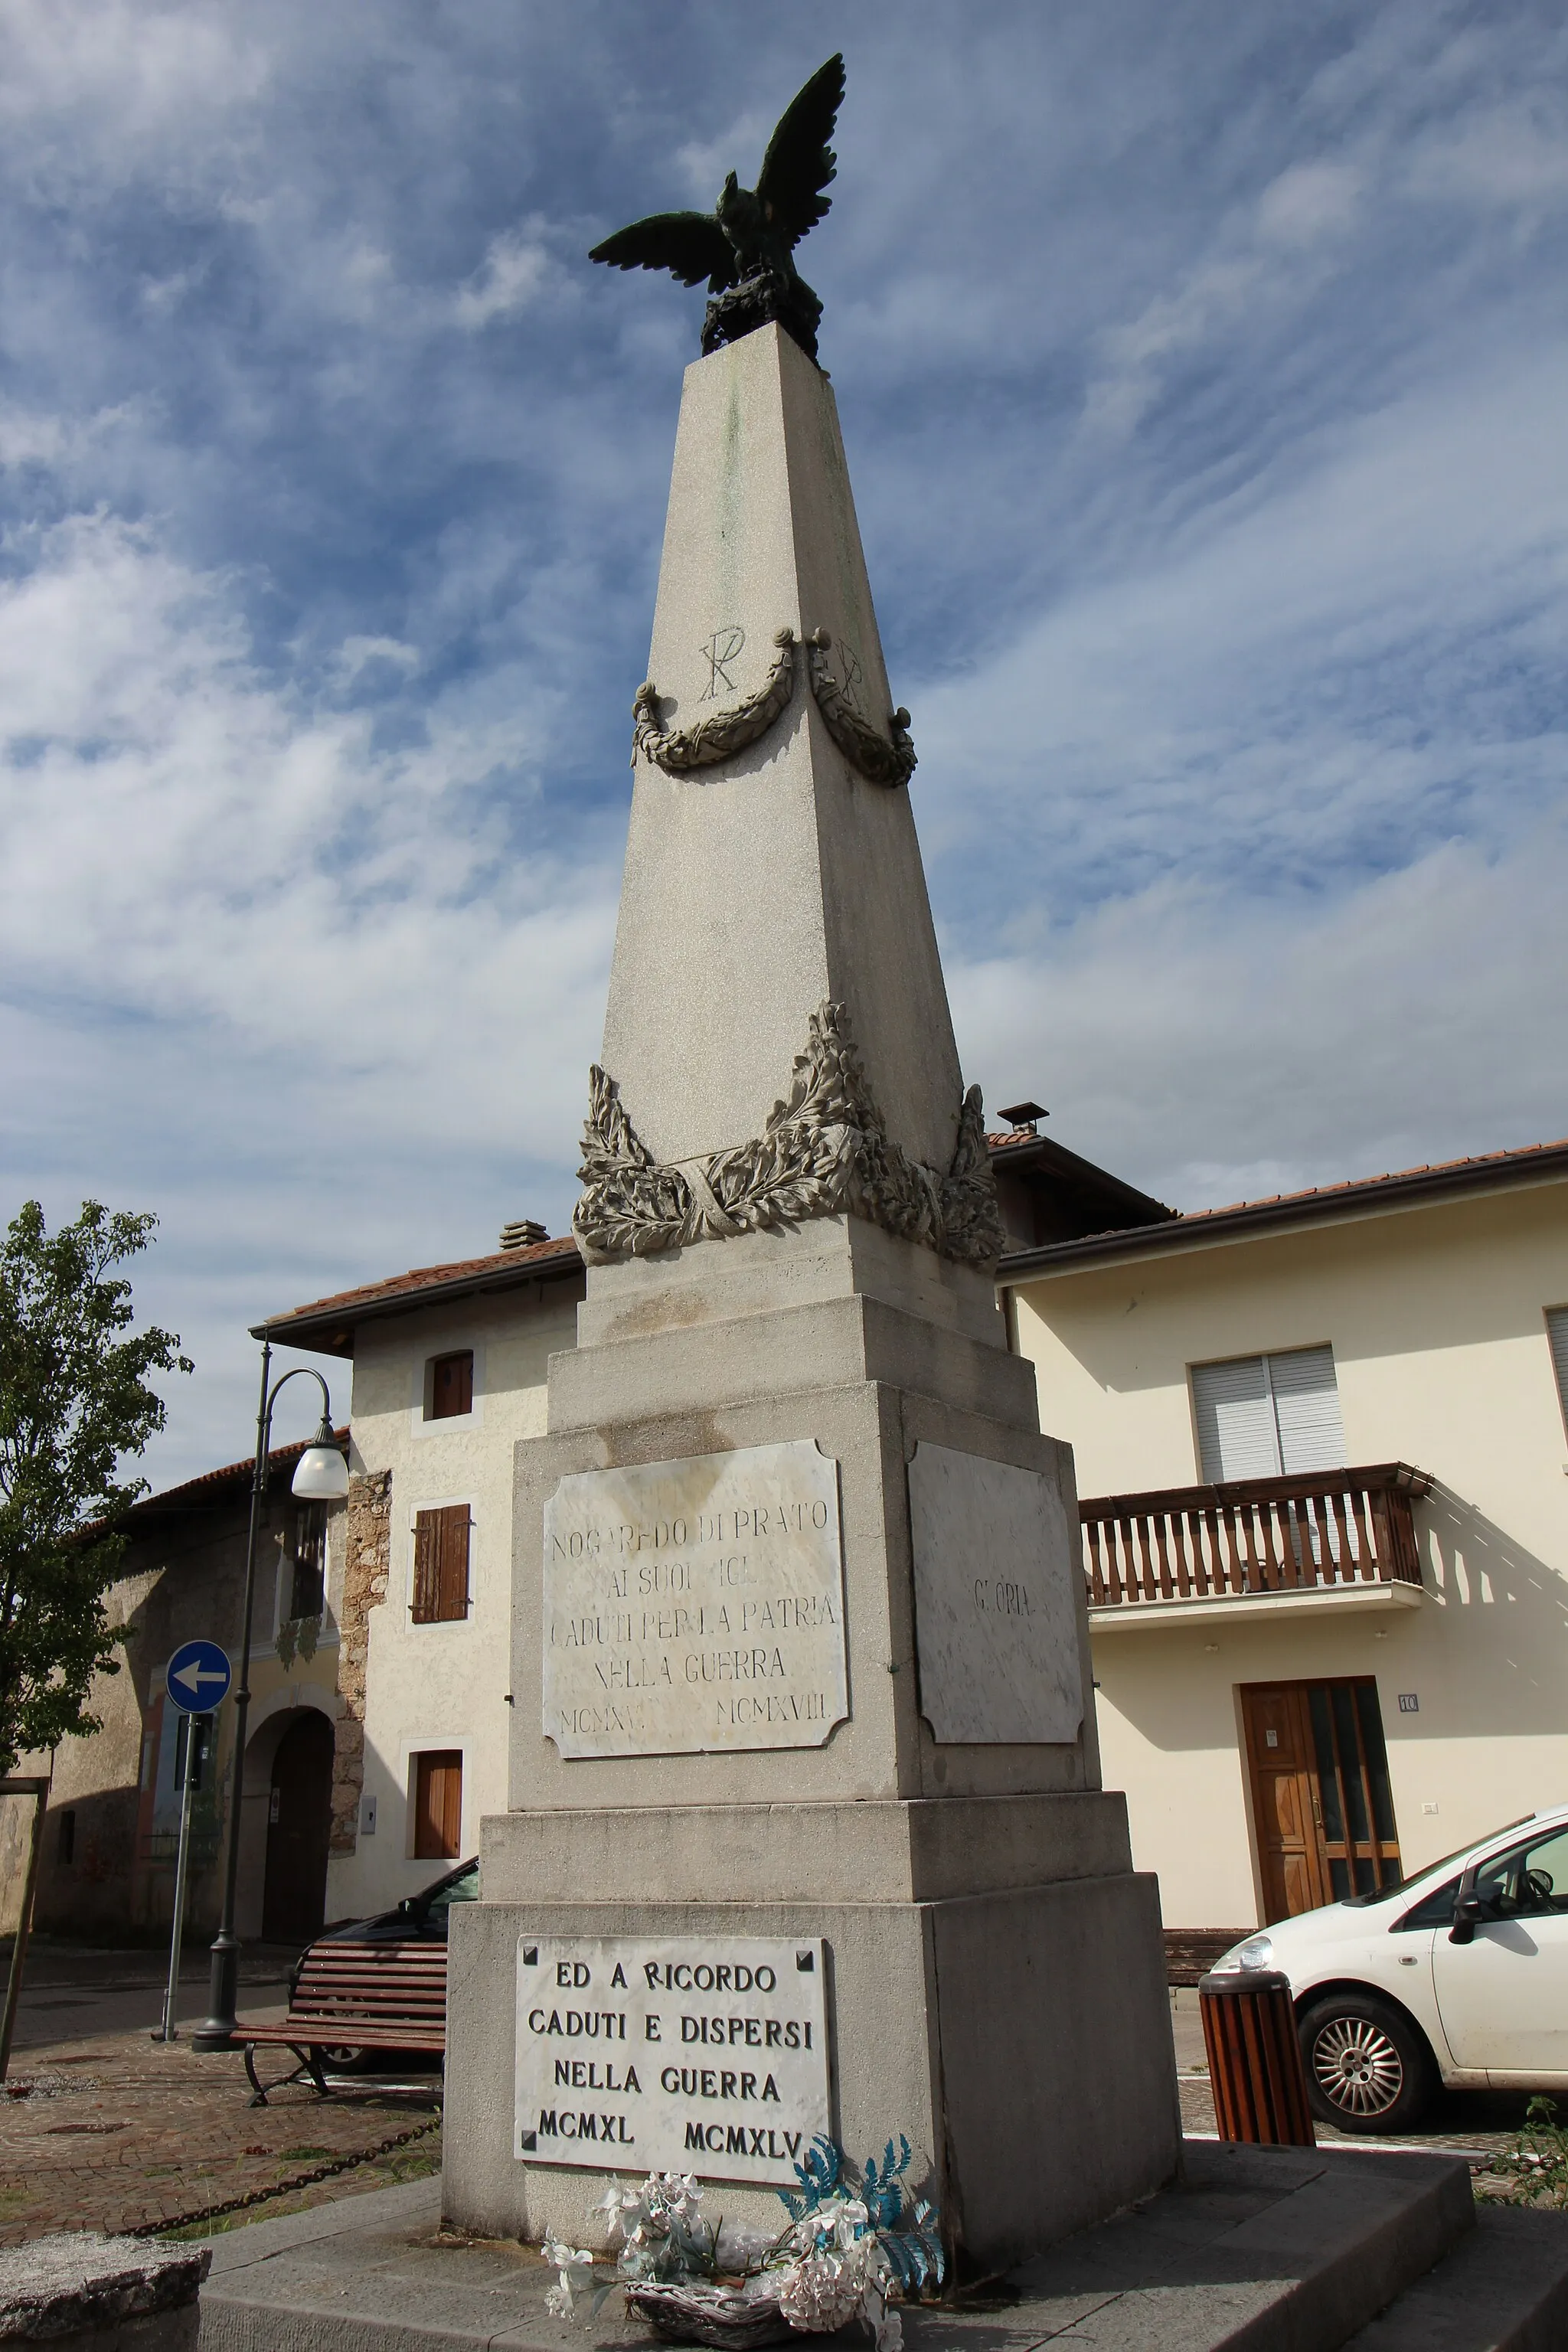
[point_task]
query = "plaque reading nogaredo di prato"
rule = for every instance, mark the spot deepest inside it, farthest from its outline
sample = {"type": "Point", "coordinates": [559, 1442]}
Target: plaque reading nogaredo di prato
{"type": "Point", "coordinates": [695, 1605]}
{"type": "Point", "coordinates": [671, 2054]}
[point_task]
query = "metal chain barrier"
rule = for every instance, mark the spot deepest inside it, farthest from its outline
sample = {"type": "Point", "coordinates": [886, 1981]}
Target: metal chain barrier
{"type": "Point", "coordinates": [283, 2188]}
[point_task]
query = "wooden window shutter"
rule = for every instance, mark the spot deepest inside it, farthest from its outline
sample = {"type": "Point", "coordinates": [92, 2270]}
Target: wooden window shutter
{"type": "Point", "coordinates": [437, 1804]}
{"type": "Point", "coordinates": [441, 1565]}
{"type": "Point", "coordinates": [452, 1590]}
{"type": "Point", "coordinates": [451, 1385]}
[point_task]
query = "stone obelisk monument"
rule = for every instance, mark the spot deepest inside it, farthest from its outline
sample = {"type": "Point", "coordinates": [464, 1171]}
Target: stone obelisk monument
{"type": "Point", "coordinates": [805, 1830]}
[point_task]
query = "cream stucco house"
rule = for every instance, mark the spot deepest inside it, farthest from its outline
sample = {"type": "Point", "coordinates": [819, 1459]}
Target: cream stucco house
{"type": "Point", "coordinates": [1321, 1454]}
{"type": "Point", "coordinates": [448, 1373]}
{"type": "Point", "coordinates": [1322, 1459]}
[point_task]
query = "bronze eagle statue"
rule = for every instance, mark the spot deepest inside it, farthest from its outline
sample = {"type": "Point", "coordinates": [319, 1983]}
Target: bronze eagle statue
{"type": "Point", "coordinates": [745, 247]}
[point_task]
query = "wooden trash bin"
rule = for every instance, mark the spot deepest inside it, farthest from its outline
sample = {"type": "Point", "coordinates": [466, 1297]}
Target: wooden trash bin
{"type": "Point", "coordinates": [1255, 2072]}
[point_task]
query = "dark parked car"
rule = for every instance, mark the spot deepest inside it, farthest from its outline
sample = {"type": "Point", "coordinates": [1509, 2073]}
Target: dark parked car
{"type": "Point", "coordinates": [422, 1916]}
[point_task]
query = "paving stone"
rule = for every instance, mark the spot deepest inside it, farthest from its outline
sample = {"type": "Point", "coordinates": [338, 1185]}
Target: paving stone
{"type": "Point", "coordinates": [153, 2131]}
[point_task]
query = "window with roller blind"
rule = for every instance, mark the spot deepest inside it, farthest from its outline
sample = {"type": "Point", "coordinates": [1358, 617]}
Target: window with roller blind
{"type": "Point", "coordinates": [441, 1565]}
{"type": "Point", "coordinates": [1557, 1332]}
{"type": "Point", "coordinates": [1269, 1416]}
{"type": "Point", "coordinates": [437, 1803]}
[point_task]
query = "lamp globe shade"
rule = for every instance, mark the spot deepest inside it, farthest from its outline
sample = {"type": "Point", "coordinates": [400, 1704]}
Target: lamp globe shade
{"type": "Point", "coordinates": [321, 1474]}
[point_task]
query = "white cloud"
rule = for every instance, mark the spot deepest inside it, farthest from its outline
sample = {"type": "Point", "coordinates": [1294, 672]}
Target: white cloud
{"type": "Point", "coordinates": [182, 842]}
{"type": "Point", "coordinates": [513, 271]}
{"type": "Point", "coordinates": [1216, 1046]}
{"type": "Point", "coordinates": [332, 528]}
{"type": "Point", "coordinates": [1310, 201]}
{"type": "Point", "coordinates": [1234, 685]}
{"type": "Point", "coordinates": [1507, 156]}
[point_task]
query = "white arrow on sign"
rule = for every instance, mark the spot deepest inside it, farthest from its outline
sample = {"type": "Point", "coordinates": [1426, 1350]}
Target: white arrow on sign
{"type": "Point", "coordinates": [192, 1676]}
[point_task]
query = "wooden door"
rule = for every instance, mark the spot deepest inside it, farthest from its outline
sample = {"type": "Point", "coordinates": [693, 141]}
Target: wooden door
{"type": "Point", "coordinates": [1285, 1812]}
{"type": "Point", "coordinates": [294, 1899]}
{"type": "Point", "coordinates": [1361, 1839]}
{"type": "Point", "coordinates": [437, 1804]}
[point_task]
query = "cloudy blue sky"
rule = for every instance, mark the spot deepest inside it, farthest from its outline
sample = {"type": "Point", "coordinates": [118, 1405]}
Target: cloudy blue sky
{"type": "Point", "coordinates": [1204, 373]}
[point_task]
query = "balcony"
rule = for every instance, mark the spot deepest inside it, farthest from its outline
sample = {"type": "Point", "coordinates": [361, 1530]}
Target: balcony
{"type": "Point", "coordinates": [1331, 1540]}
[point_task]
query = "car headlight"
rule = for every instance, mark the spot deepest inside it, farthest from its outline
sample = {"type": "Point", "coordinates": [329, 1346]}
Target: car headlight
{"type": "Point", "coordinates": [1256, 1952]}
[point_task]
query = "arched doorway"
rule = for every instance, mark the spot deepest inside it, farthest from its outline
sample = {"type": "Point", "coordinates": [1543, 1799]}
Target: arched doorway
{"type": "Point", "coordinates": [299, 1825]}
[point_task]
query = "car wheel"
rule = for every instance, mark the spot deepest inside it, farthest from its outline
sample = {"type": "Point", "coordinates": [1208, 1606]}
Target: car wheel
{"type": "Point", "coordinates": [1368, 2068]}
{"type": "Point", "coordinates": [344, 2057]}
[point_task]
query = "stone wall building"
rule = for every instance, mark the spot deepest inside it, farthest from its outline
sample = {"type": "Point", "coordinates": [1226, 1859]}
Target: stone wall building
{"type": "Point", "coordinates": [107, 1860]}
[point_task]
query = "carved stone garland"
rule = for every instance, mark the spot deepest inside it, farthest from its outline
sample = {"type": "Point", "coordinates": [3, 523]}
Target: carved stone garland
{"type": "Point", "coordinates": [824, 1150]}
{"type": "Point", "coordinates": [879, 762]}
{"type": "Point", "coordinates": [723, 732]}
{"type": "Point", "coordinates": [680, 751]}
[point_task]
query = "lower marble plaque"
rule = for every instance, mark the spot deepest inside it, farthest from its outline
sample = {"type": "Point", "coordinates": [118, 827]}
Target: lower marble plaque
{"type": "Point", "coordinates": [996, 1634]}
{"type": "Point", "coordinates": [663, 2054]}
{"type": "Point", "coordinates": [695, 1605]}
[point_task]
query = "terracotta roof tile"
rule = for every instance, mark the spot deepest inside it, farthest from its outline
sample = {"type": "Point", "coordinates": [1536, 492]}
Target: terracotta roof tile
{"type": "Point", "coordinates": [1431, 1178]}
{"type": "Point", "coordinates": [232, 1474]}
{"type": "Point", "coordinates": [1392, 1176]}
{"type": "Point", "coordinates": [431, 1278]}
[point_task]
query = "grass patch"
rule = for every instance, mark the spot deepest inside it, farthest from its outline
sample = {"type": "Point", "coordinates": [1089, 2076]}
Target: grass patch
{"type": "Point", "coordinates": [1533, 2169]}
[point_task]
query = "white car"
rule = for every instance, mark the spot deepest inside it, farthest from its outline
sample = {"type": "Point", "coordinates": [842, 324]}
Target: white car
{"type": "Point", "coordinates": [1462, 1976]}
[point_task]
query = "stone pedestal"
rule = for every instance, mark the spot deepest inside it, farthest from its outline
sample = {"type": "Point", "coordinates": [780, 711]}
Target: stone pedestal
{"type": "Point", "coordinates": [808, 1659]}
{"type": "Point", "coordinates": [78, 2291]}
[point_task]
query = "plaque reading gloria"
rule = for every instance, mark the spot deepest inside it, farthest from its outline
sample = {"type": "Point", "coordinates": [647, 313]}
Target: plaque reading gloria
{"type": "Point", "coordinates": [996, 1609]}
{"type": "Point", "coordinates": [694, 1605]}
{"type": "Point", "coordinates": [655, 2053]}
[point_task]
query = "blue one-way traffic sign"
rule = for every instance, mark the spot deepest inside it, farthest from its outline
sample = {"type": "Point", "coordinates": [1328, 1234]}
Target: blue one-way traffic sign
{"type": "Point", "coordinates": [199, 1677]}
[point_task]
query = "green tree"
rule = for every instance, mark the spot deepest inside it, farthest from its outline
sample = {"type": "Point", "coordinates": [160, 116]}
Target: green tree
{"type": "Point", "coordinates": [74, 1405]}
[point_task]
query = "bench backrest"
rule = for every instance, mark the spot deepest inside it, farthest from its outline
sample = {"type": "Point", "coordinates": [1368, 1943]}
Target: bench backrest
{"type": "Point", "coordinates": [377, 1983]}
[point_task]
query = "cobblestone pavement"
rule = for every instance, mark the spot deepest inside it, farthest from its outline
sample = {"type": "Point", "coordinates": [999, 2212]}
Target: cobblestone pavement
{"type": "Point", "coordinates": [1459, 2122]}
{"type": "Point", "coordinates": [112, 2131]}
{"type": "Point", "coordinates": [117, 2131]}
{"type": "Point", "coordinates": [1462, 2124]}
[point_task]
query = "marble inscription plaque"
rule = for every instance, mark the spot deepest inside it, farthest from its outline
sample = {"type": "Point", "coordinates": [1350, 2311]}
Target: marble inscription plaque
{"type": "Point", "coordinates": [671, 2054]}
{"type": "Point", "coordinates": [995, 1613]}
{"type": "Point", "coordinates": [695, 1605]}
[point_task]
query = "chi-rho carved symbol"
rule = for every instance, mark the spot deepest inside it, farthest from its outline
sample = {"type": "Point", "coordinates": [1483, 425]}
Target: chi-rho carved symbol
{"type": "Point", "coordinates": [719, 652]}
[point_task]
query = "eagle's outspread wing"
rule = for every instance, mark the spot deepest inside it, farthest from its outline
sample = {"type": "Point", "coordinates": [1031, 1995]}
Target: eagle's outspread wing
{"type": "Point", "coordinates": [691, 245]}
{"type": "Point", "coordinates": [799, 162]}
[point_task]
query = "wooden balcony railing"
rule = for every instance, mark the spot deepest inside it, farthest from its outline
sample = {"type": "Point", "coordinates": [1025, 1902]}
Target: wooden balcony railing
{"type": "Point", "coordinates": [1253, 1535]}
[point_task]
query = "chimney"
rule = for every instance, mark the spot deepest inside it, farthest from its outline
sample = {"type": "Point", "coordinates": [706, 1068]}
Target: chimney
{"type": "Point", "coordinates": [1024, 1118]}
{"type": "Point", "coordinates": [522, 1232]}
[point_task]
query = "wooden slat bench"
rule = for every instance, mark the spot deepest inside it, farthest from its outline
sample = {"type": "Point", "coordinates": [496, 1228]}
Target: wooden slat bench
{"type": "Point", "coordinates": [385, 1996]}
{"type": "Point", "coordinates": [1191, 1952]}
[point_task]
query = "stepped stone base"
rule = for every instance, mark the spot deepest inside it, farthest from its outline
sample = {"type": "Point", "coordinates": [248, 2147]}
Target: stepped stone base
{"type": "Point", "coordinates": [1259, 2249]}
{"type": "Point", "coordinates": [980, 2021]}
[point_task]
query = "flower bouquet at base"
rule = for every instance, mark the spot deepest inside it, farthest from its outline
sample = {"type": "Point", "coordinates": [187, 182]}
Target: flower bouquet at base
{"type": "Point", "coordinates": [857, 2243]}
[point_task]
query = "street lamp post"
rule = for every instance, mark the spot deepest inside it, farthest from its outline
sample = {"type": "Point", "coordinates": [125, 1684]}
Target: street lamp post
{"type": "Point", "coordinates": [321, 1475]}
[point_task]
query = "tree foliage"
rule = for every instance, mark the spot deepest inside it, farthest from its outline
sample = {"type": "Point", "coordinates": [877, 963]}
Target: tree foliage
{"type": "Point", "coordinates": [74, 1405]}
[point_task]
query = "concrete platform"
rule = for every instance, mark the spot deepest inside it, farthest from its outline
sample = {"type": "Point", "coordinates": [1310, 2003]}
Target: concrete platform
{"type": "Point", "coordinates": [1260, 2249]}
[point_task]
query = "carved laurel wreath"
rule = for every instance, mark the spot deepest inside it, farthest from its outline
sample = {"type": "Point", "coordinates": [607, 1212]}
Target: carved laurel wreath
{"type": "Point", "coordinates": [824, 1150]}
{"type": "Point", "coordinates": [680, 751]}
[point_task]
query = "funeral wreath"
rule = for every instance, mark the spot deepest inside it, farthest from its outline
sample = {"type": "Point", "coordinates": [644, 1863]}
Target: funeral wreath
{"type": "Point", "coordinates": [859, 2242]}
